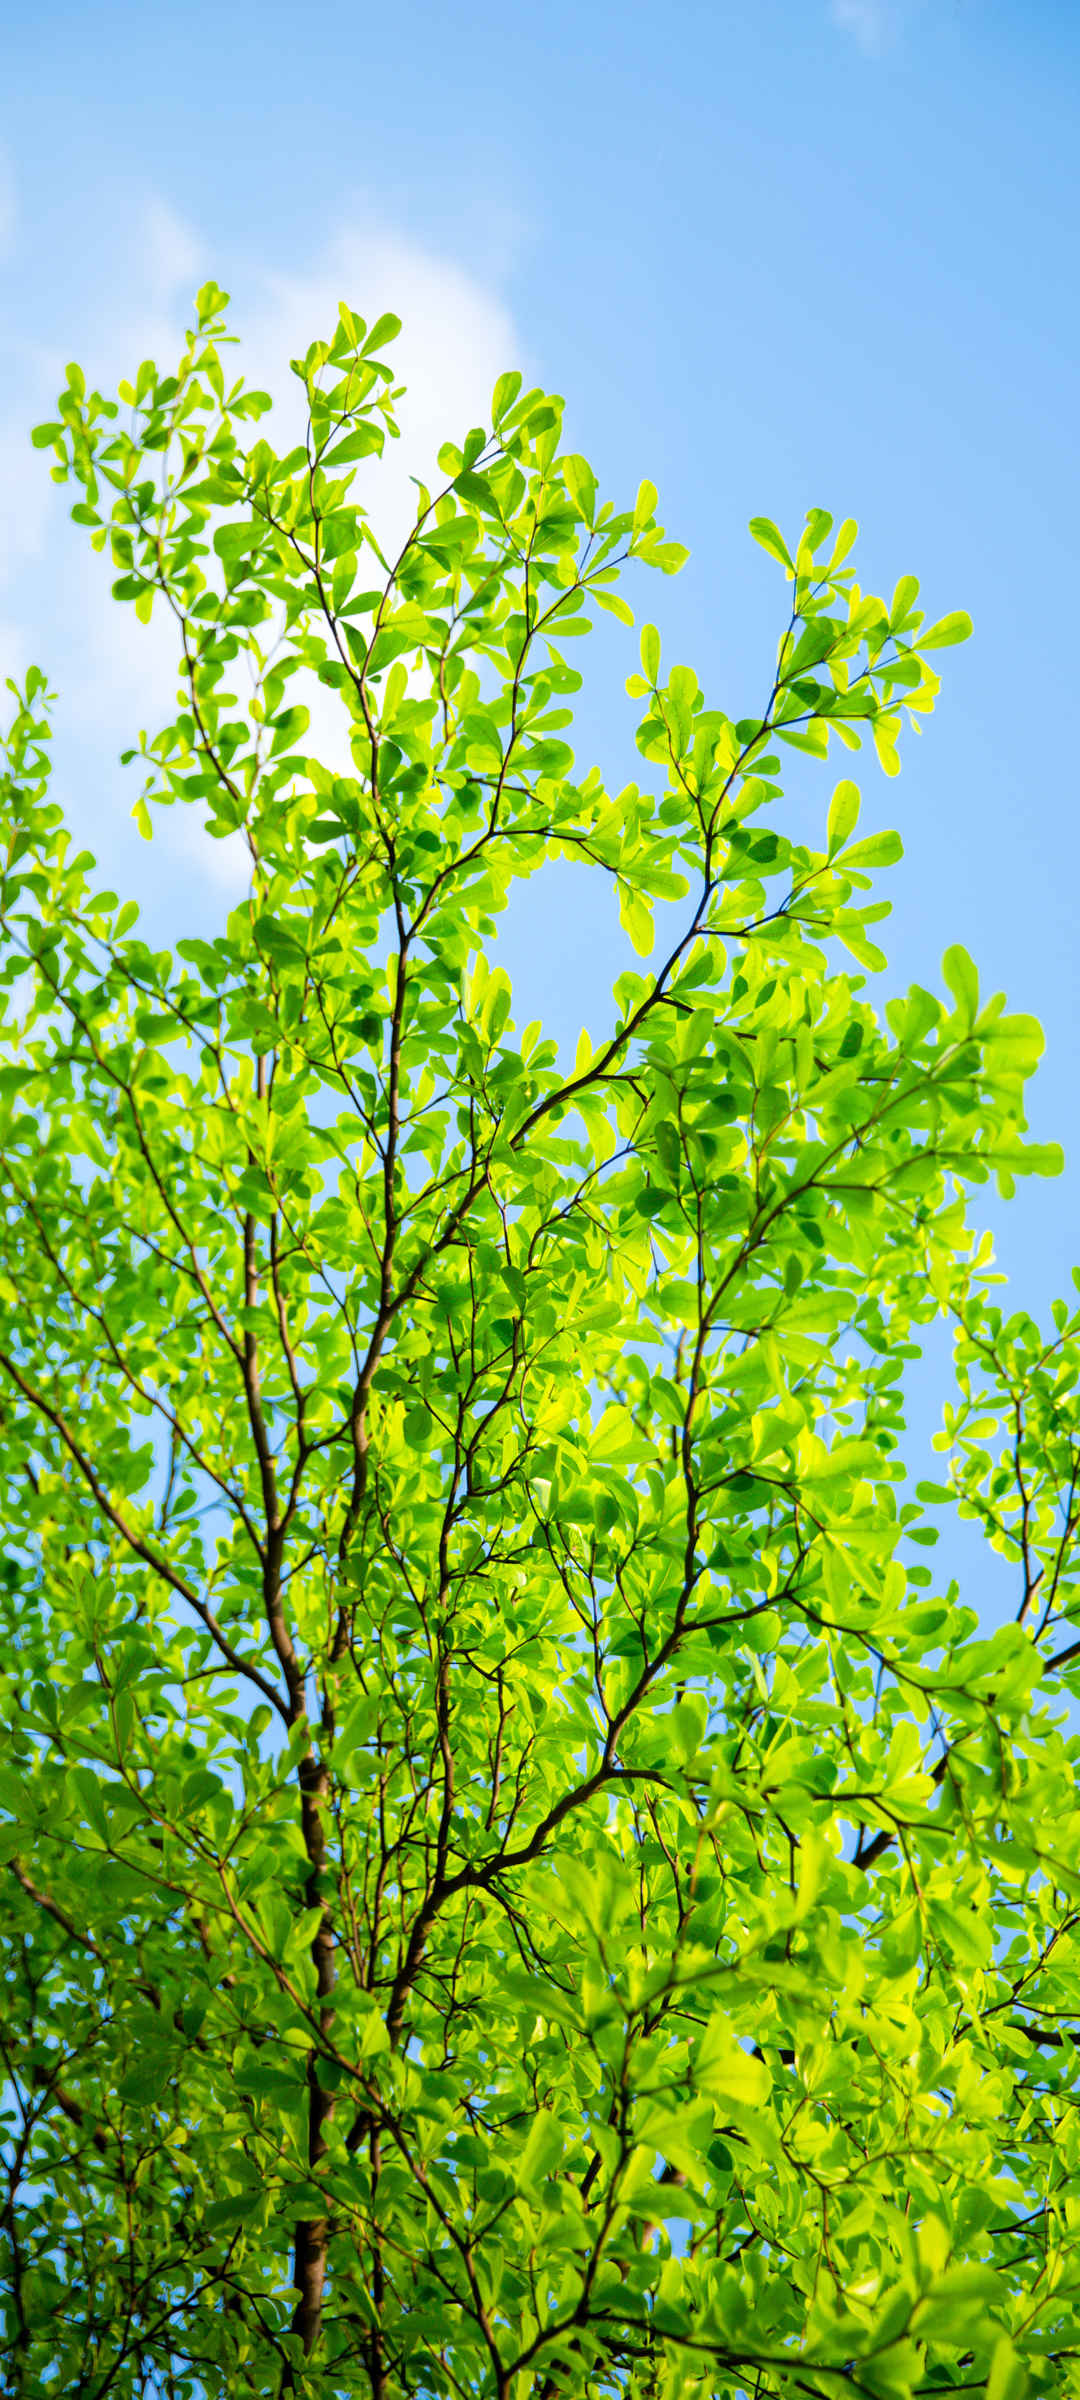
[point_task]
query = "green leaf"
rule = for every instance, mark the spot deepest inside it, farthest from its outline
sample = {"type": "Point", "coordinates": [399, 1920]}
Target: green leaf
{"type": "Point", "coordinates": [670, 557]}
{"type": "Point", "coordinates": [636, 919]}
{"type": "Point", "coordinates": [234, 2208]}
{"type": "Point", "coordinates": [843, 815]}
{"type": "Point", "coordinates": [903, 601]}
{"type": "Point", "coordinates": [954, 628]}
{"type": "Point", "coordinates": [689, 1719]}
{"type": "Point", "coordinates": [771, 539]}
{"type": "Point", "coordinates": [385, 329]}
{"type": "Point", "coordinates": [365, 441]}
{"type": "Point", "coordinates": [279, 944]}
{"type": "Point", "coordinates": [877, 850]}
{"type": "Point", "coordinates": [885, 745]}
{"type": "Point", "coordinates": [504, 396]}
{"type": "Point", "coordinates": [1007, 2379]}
{"type": "Point", "coordinates": [614, 603]}
{"type": "Point", "coordinates": [581, 485]}
{"type": "Point", "coordinates": [726, 2071]}
{"type": "Point", "coordinates": [144, 2083]}
{"type": "Point", "coordinates": [964, 1934]}
{"type": "Point", "coordinates": [963, 981]}
{"type": "Point", "coordinates": [542, 2152]}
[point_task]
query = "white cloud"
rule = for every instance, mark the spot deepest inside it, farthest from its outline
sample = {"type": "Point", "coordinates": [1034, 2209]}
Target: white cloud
{"type": "Point", "coordinates": [871, 23]}
{"type": "Point", "coordinates": [116, 676]}
{"type": "Point", "coordinates": [456, 339]}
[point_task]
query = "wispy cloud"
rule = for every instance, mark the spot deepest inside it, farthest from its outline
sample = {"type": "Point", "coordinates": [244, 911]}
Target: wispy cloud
{"type": "Point", "coordinates": [871, 23]}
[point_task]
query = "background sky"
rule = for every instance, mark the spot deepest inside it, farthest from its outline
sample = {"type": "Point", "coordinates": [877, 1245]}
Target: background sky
{"type": "Point", "coordinates": [800, 252]}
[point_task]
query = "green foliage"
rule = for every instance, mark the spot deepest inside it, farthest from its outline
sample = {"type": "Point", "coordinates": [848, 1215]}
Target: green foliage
{"type": "Point", "coordinates": [518, 1881]}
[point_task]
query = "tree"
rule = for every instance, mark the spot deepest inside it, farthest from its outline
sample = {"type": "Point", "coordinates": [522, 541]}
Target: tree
{"type": "Point", "coordinates": [518, 1883]}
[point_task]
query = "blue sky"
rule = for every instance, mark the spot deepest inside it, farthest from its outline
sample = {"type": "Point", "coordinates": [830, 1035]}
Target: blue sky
{"type": "Point", "coordinates": [804, 251]}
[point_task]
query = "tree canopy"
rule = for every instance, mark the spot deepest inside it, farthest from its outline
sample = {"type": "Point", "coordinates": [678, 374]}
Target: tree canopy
{"type": "Point", "coordinates": [519, 1880]}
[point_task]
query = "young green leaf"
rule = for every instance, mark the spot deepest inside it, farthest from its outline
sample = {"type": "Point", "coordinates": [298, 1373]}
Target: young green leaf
{"type": "Point", "coordinates": [843, 815]}
{"type": "Point", "coordinates": [771, 539]}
